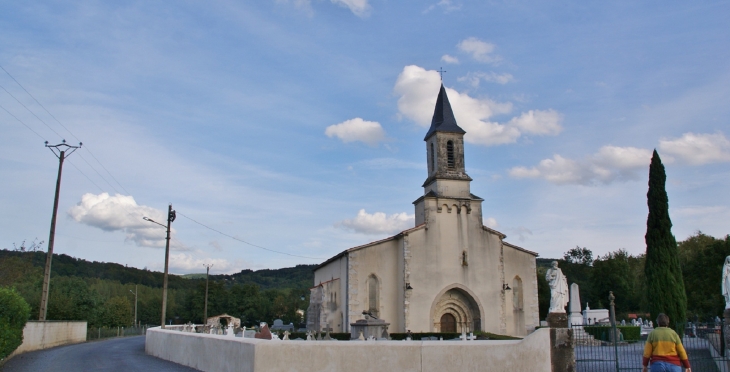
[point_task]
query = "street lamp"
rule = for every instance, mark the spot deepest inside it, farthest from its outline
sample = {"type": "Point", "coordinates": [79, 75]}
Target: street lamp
{"type": "Point", "coordinates": [170, 218]}
{"type": "Point", "coordinates": [135, 304]}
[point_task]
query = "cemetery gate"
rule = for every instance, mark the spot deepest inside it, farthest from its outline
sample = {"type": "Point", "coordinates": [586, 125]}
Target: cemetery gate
{"type": "Point", "coordinates": [597, 351]}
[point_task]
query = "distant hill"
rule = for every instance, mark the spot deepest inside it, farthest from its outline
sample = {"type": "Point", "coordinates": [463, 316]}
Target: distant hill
{"type": "Point", "coordinates": [301, 276]}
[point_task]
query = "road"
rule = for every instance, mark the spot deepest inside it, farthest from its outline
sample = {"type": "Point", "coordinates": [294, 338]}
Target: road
{"type": "Point", "coordinates": [117, 354]}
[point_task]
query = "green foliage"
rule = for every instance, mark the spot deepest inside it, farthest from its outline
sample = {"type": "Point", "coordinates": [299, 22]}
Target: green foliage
{"type": "Point", "coordinates": [702, 257]}
{"type": "Point", "coordinates": [603, 333]}
{"type": "Point", "coordinates": [117, 312]}
{"type": "Point", "coordinates": [578, 255]}
{"type": "Point", "coordinates": [543, 293]}
{"type": "Point", "coordinates": [14, 312]}
{"type": "Point", "coordinates": [631, 333]}
{"type": "Point", "coordinates": [618, 272]}
{"type": "Point", "coordinates": [664, 282]}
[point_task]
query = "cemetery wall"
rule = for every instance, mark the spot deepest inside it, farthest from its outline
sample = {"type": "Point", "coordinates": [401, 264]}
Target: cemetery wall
{"type": "Point", "coordinates": [43, 335]}
{"type": "Point", "coordinates": [220, 353]}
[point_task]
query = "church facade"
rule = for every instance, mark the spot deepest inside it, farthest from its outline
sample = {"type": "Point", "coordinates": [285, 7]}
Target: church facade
{"type": "Point", "coordinates": [447, 274]}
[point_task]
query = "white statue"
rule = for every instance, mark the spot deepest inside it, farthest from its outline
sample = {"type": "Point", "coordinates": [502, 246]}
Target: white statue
{"type": "Point", "coordinates": [726, 281]}
{"type": "Point", "coordinates": [558, 289]}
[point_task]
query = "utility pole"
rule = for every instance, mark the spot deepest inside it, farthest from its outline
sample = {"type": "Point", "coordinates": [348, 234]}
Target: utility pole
{"type": "Point", "coordinates": [205, 307]}
{"type": "Point", "coordinates": [135, 304]}
{"type": "Point", "coordinates": [170, 218]}
{"type": "Point", "coordinates": [61, 155]}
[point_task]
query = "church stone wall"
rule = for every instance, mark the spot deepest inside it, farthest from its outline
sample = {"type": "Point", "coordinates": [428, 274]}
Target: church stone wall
{"type": "Point", "coordinates": [521, 264]}
{"type": "Point", "coordinates": [380, 260]}
{"type": "Point", "coordinates": [454, 250]}
{"type": "Point", "coordinates": [332, 309]}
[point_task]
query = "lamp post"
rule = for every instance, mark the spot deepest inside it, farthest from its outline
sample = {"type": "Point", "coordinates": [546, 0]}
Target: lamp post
{"type": "Point", "coordinates": [135, 304]}
{"type": "Point", "coordinates": [205, 307]}
{"type": "Point", "coordinates": [170, 218]}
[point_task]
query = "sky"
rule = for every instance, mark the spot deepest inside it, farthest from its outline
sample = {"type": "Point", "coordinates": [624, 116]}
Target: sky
{"type": "Point", "coordinates": [286, 131]}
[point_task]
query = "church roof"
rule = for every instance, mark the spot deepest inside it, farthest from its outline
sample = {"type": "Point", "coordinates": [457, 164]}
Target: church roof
{"type": "Point", "coordinates": [443, 116]}
{"type": "Point", "coordinates": [346, 251]}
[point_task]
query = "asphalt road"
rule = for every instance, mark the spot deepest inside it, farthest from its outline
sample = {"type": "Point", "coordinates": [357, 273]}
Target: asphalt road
{"type": "Point", "coordinates": [117, 354]}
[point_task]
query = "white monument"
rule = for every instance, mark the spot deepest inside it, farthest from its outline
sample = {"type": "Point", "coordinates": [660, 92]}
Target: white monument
{"type": "Point", "coordinates": [726, 282]}
{"type": "Point", "coordinates": [576, 318]}
{"type": "Point", "coordinates": [558, 289]}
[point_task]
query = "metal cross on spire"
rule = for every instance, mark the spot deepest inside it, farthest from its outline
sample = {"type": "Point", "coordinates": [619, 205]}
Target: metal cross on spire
{"type": "Point", "coordinates": [441, 72]}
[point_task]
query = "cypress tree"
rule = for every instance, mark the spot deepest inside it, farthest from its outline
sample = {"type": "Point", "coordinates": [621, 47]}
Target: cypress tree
{"type": "Point", "coordinates": [664, 283]}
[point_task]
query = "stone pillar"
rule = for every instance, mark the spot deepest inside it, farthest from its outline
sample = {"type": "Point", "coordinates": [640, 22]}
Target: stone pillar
{"type": "Point", "coordinates": [576, 318]}
{"type": "Point", "coordinates": [562, 348]}
{"type": "Point", "coordinates": [726, 330]}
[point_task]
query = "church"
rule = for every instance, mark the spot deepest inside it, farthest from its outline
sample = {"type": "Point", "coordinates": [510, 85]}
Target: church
{"type": "Point", "coordinates": [449, 273]}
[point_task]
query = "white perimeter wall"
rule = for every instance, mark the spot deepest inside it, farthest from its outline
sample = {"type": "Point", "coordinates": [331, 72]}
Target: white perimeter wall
{"type": "Point", "coordinates": [44, 335]}
{"type": "Point", "coordinates": [220, 353]}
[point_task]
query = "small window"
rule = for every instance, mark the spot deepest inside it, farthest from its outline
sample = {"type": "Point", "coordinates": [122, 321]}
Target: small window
{"type": "Point", "coordinates": [450, 153]}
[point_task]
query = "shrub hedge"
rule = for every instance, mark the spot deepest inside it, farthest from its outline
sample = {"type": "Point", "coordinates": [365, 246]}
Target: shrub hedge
{"type": "Point", "coordinates": [14, 313]}
{"type": "Point", "coordinates": [628, 333]}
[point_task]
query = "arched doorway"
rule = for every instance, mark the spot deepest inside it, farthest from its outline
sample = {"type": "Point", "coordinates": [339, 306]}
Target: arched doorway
{"type": "Point", "coordinates": [448, 323]}
{"type": "Point", "coordinates": [456, 311]}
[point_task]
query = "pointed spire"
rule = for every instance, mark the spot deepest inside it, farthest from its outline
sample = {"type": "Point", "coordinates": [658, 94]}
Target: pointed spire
{"type": "Point", "coordinates": [443, 117]}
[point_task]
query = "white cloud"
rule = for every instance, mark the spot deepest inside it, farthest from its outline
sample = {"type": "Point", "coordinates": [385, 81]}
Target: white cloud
{"type": "Point", "coordinates": [121, 213]}
{"type": "Point", "coordinates": [449, 59]}
{"type": "Point", "coordinates": [490, 222]}
{"type": "Point", "coordinates": [479, 50]}
{"type": "Point", "coordinates": [609, 164]}
{"type": "Point", "coordinates": [446, 5]}
{"type": "Point", "coordinates": [378, 223]}
{"type": "Point", "coordinates": [698, 149]}
{"type": "Point", "coordinates": [187, 263]}
{"type": "Point", "coordinates": [357, 129]}
{"type": "Point", "coordinates": [360, 8]}
{"type": "Point", "coordinates": [418, 89]}
{"type": "Point", "coordinates": [541, 123]}
{"type": "Point", "coordinates": [474, 78]}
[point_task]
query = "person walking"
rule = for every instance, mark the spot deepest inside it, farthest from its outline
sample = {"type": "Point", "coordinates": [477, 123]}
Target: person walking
{"type": "Point", "coordinates": [664, 349]}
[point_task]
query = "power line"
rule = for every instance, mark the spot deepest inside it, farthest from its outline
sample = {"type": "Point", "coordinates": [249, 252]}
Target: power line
{"type": "Point", "coordinates": [21, 122]}
{"type": "Point", "coordinates": [245, 242]}
{"type": "Point", "coordinates": [36, 116]}
{"type": "Point", "coordinates": [64, 127]}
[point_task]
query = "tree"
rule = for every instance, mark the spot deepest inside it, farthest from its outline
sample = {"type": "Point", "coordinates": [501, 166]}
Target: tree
{"type": "Point", "coordinates": [117, 312]}
{"type": "Point", "coordinates": [664, 283]}
{"type": "Point", "coordinates": [702, 272]}
{"type": "Point", "coordinates": [14, 312]}
{"type": "Point", "coordinates": [578, 255]}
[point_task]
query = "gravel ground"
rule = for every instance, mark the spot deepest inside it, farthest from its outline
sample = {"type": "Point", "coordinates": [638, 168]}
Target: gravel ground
{"type": "Point", "coordinates": [117, 354]}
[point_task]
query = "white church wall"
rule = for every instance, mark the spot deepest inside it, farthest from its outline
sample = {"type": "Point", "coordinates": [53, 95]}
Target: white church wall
{"type": "Point", "coordinates": [521, 264]}
{"type": "Point", "coordinates": [437, 263]}
{"type": "Point", "coordinates": [380, 260]}
{"type": "Point", "coordinates": [334, 299]}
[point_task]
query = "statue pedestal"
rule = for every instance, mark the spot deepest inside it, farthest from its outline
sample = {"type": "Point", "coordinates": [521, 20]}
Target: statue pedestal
{"type": "Point", "coordinates": [557, 320]}
{"type": "Point", "coordinates": [562, 346]}
{"type": "Point", "coordinates": [726, 326]}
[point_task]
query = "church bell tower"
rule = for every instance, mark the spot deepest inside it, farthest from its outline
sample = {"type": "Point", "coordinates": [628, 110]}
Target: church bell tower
{"type": "Point", "coordinates": [445, 152]}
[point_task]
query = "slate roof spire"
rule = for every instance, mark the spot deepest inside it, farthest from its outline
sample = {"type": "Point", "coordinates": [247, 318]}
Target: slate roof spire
{"type": "Point", "coordinates": [443, 117]}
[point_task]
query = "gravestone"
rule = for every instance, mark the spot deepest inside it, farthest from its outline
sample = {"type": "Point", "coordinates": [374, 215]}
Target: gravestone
{"type": "Point", "coordinates": [369, 327]}
{"type": "Point", "coordinates": [264, 333]}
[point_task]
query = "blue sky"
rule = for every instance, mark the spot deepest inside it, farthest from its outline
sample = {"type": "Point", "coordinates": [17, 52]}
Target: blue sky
{"type": "Point", "coordinates": [298, 125]}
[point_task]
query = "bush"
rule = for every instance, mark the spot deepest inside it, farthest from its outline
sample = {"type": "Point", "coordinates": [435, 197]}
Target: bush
{"type": "Point", "coordinates": [14, 312]}
{"type": "Point", "coordinates": [603, 333]}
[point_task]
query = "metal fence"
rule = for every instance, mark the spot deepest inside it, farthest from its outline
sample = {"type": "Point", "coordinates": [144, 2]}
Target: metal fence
{"type": "Point", "coordinates": [597, 351]}
{"type": "Point", "coordinates": [93, 333]}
